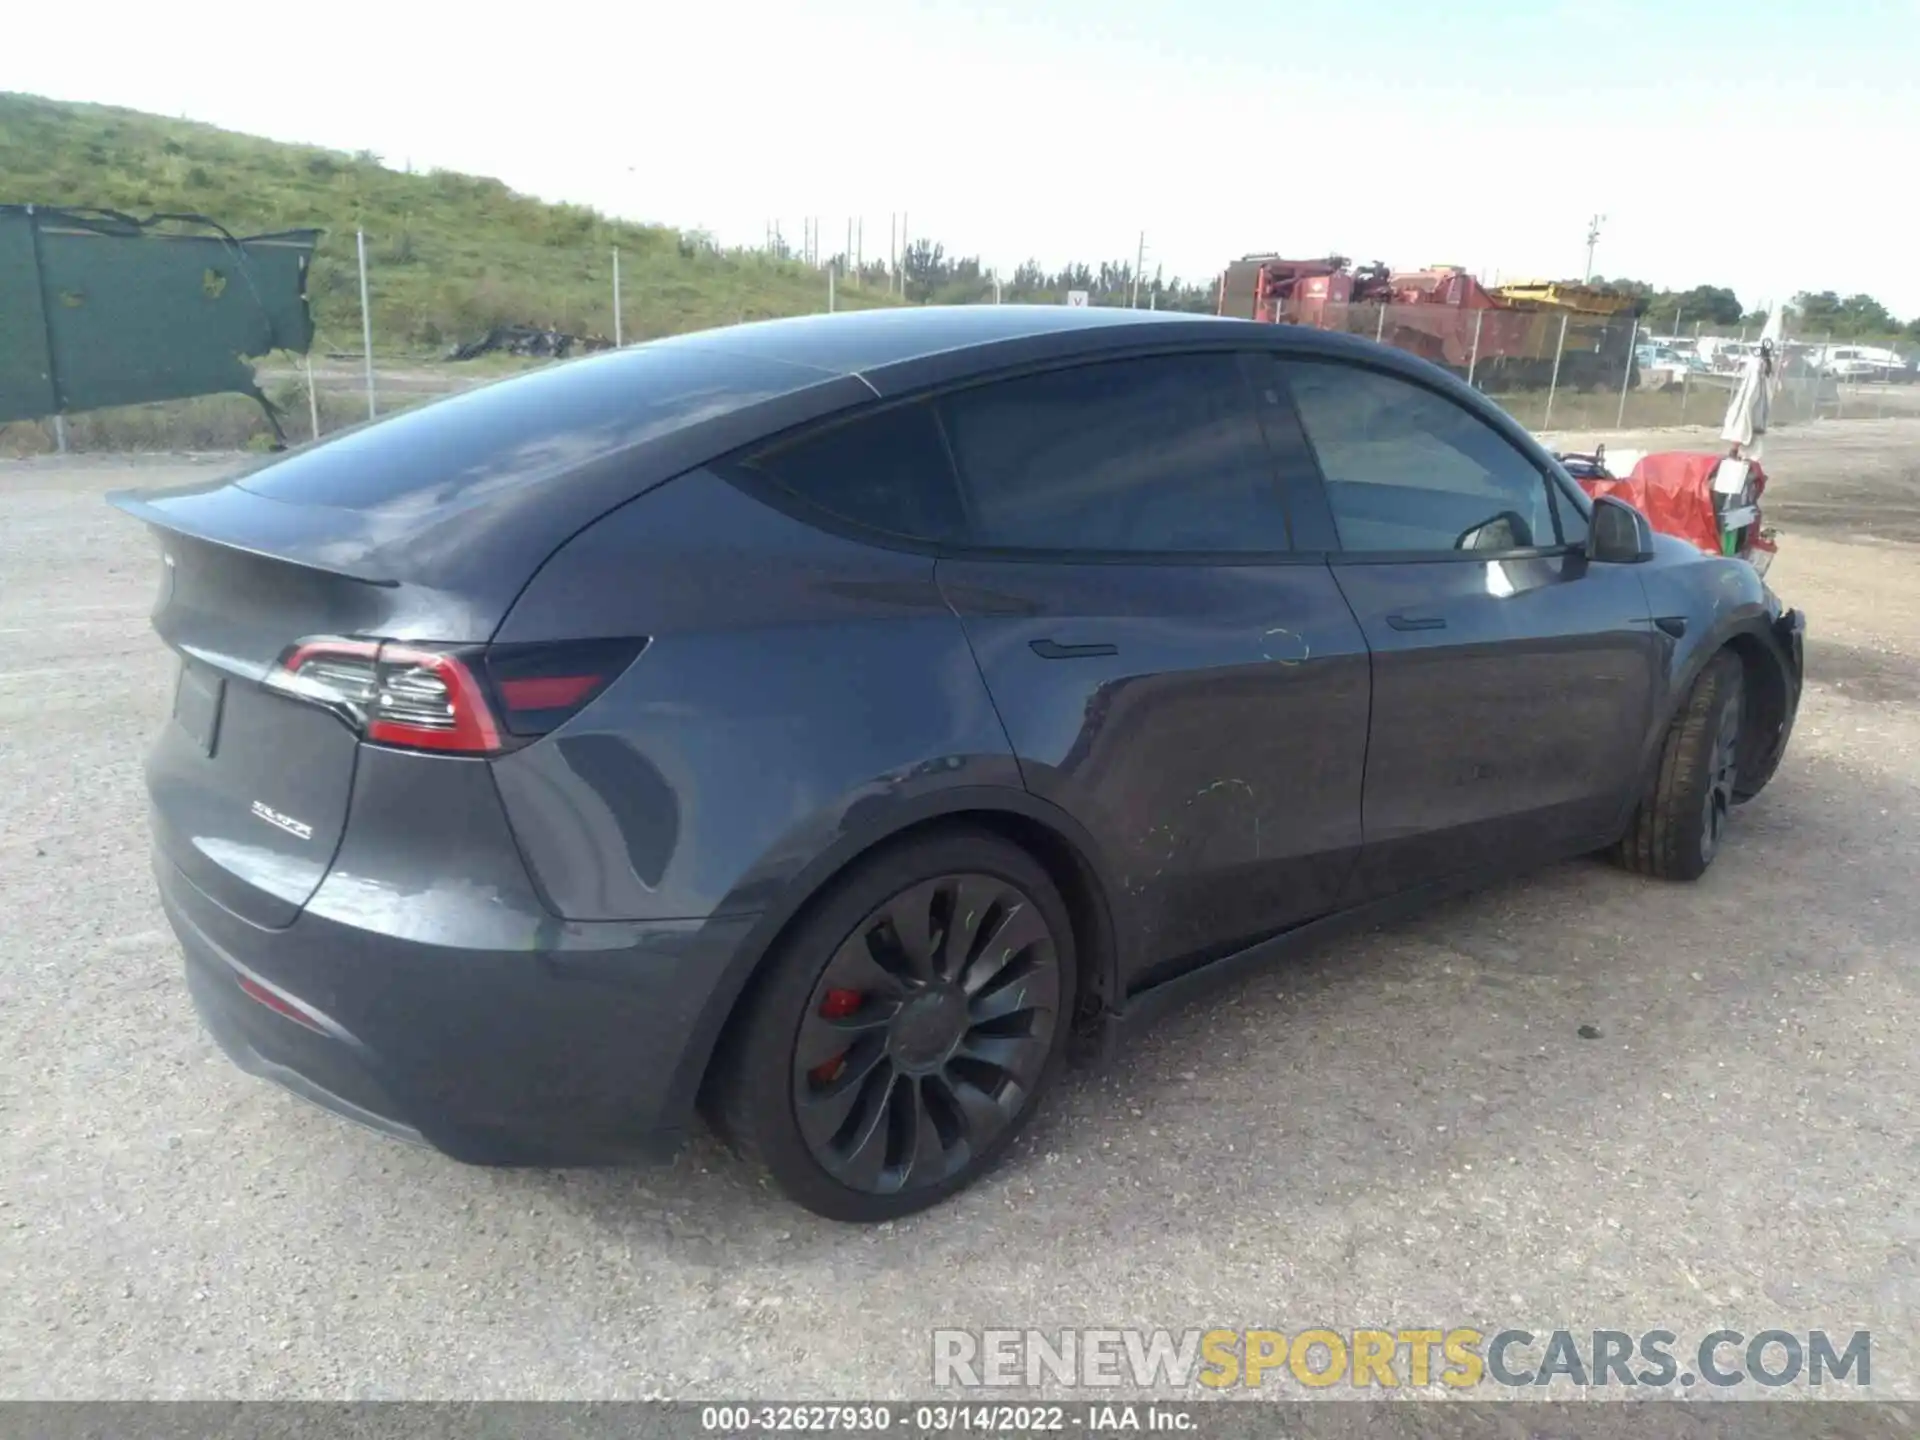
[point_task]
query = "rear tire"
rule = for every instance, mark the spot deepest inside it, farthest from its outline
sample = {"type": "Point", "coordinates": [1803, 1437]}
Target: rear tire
{"type": "Point", "coordinates": [902, 1032]}
{"type": "Point", "coordinates": [1680, 822]}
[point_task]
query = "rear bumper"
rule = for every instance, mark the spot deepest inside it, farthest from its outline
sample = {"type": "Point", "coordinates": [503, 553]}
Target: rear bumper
{"type": "Point", "coordinates": [587, 1050]}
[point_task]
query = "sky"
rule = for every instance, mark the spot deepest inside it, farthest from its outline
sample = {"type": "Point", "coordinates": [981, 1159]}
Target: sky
{"type": "Point", "coordinates": [1768, 146]}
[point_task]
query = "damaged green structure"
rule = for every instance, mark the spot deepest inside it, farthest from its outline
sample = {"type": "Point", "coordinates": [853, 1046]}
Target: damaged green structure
{"type": "Point", "coordinates": [99, 308]}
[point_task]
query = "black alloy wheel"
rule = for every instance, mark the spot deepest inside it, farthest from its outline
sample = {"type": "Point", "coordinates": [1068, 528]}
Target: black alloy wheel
{"type": "Point", "coordinates": [903, 1030]}
{"type": "Point", "coordinates": [901, 1034]}
{"type": "Point", "coordinates": [926, 1033]}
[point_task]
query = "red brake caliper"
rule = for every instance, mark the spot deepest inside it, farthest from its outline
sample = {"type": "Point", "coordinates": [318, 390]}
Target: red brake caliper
{"type": "Point", "coordinates": [837, 1005]}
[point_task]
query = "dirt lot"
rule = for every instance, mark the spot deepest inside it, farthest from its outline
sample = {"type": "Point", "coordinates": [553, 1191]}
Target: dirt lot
{"type": "Point", "coordinates": [1406, 1130]}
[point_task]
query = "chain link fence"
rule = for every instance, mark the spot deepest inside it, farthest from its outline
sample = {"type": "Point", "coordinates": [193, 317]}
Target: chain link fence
{"type": "Point", "coordinates": [1554, 367]}
{"type": "Point", "coordinates": [1564, 370]}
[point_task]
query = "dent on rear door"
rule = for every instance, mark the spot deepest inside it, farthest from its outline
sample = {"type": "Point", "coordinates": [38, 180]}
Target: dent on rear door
{"type": "Point", "coordinates": [1207, 724]}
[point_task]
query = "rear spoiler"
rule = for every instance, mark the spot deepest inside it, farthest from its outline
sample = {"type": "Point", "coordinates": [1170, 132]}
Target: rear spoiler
{"type": "Point", "coordinates": [197, 513]}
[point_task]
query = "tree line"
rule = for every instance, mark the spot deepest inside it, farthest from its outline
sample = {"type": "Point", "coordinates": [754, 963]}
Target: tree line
{"type": "Point", "coordinates": [1809, 313]}
{"type": "Point", "coordinates": [931, 276]}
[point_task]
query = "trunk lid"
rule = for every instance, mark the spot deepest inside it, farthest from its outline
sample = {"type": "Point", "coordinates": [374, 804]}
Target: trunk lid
{"type": "Point", "coordinates": [421, 529]}
{"type": "Point", "coordinates": [249, 788]}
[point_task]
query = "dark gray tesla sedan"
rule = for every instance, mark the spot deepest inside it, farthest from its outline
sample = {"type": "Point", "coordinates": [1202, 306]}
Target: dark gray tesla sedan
{"type": "Point", "coordinates": [817, 724]}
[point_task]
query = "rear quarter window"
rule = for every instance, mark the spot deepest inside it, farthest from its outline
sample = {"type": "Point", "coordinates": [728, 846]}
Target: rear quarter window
{"type": "Point", "coordinates": [887, 472]}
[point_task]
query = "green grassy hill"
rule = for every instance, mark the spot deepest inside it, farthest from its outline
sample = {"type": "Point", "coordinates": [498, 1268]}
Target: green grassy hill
{"type": "Point", "coordinates": [449, 255]}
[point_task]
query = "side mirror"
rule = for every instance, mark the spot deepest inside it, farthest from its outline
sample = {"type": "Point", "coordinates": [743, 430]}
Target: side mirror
{"type": "Point", "coordinates": [1618, 534]}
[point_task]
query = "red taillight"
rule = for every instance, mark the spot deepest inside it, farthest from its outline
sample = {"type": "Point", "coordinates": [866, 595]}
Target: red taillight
{"type": "Point", "coordinates": [466, 700]}
{"type": "Point", "coordinates": [430, 700]}
{"type": "Point", "coordinates": [395, 694]}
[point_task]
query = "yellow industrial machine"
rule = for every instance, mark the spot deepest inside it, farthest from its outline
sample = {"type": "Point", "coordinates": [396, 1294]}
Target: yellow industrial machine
{"type": "Point", "coordinates": [1582, 299]}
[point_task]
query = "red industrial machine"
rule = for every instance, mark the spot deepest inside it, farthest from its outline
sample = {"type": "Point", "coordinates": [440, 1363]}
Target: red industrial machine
{"type": "Point", "coordinates": [1269, 289]}
{"type": "Point", "coordinates": [1442, 314]}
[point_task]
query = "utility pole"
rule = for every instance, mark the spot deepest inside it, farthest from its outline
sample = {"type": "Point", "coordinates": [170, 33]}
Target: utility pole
{"type": "Point", "coordinates": [1139, 261]}
{"type": "Point", "coordinates": [1593, 239]}
{"type": "Point", "coordinates": [366, 322]}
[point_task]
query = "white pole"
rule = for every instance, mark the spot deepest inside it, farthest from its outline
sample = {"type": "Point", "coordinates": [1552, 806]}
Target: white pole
{"type": "Point", "coordinates": [60, 433]}
{"type": "Point", "coordinates": [1626, 374]}
{"type": "Point", "coordinates": [1553, 383]}
{"type": "Point", "coordinates": [830, 289]}
{"type": "Point", "coordinates": [893, 251]}
{"type": "Point", "coordinates": [1380, 325]}
{"type": "Point", "coordinates": [313, 398]}
{"type": "Point", "coordinates": [1473, 356]}
{"type": "Point", "coordinates": [996, 288]}
{"type": "Point", "coordinates": [618, 337]}
{"type": "Point", "coordinates": [1139, 260]}
{"type": "Point", "coordinates": [903, 254]}
{"type": "Point", "coordinates": [366, 323]}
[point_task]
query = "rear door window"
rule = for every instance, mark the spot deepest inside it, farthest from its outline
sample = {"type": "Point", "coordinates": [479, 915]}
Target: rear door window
{"type": "Point", "coordinates": [1155, 455]}
{"type": "Point", "coordinates": [887, 472]}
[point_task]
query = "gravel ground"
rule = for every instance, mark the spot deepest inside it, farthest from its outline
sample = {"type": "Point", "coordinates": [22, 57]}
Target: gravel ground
{"type": "Point", "coordinates": [1579, 1100]}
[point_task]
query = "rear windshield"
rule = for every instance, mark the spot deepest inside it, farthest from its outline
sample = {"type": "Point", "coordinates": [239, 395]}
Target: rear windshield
{"type": "Point", "coordinates": [522, 431]}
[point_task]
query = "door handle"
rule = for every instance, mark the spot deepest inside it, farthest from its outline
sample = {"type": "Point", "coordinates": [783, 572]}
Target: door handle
{"type": "Point", "coordinates": [1417, 622]}
{"type": "Point", "coordinates": [1052, 650]}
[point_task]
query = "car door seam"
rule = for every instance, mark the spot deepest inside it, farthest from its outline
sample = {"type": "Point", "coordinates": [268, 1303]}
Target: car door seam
{"type": "Point", "coordinates": [993, 703]}
{"type": "Point", "coordinates": [1366, 745]}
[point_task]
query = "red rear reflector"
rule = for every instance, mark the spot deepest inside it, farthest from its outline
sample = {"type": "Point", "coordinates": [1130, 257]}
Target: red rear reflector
{"type": "Point", "coordinates": [254, 990]}
{"type": "Point", "coordinates": [541, 687]}
{"type": "Point", "coordinates": [547, 692]}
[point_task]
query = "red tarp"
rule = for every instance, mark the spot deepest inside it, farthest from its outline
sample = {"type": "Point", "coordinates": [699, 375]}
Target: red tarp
{"type": "Point", "coordinates": [1674, 490]}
